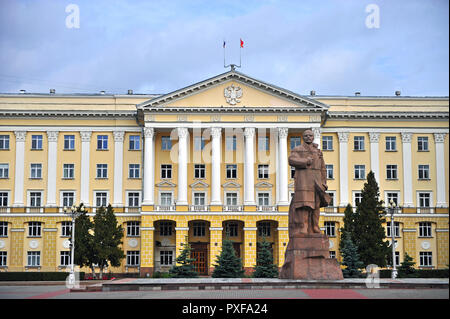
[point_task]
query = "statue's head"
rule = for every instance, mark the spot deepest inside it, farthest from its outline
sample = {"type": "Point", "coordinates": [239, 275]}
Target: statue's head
{"type": "Point", "coordinates": [308, 136]}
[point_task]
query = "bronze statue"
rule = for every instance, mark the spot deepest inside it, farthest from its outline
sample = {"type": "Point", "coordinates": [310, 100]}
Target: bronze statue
{"type": "Point", "coordinates": [310, 187]}
{"type": "Point", "coordinates": [307, 254]}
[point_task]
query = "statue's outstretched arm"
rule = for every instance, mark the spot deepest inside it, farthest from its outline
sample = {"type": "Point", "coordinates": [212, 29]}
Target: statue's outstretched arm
{"type": "Point", "coordinates": [296, 161]}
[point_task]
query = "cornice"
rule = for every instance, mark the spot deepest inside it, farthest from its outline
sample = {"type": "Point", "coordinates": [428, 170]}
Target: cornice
{"type": "Point", "coordinates": [57, 114]}
{"type": "Point", "coordinates": [388, 115]}
{"type": "Point", "coordinates": [228, 109]}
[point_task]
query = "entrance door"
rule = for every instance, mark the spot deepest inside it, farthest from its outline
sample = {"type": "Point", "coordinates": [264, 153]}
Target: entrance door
{"type": "Point", "coordinates": [237, 249]}
{"type": "Point", "coordinates": [200, 253]}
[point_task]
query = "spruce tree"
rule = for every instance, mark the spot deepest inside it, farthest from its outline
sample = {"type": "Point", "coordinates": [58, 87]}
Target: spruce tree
{"type": "Point", "coordinates": [369, 233]}
{"type": "Point", "coordinates": [349, 226]}
{"type": "Point", "coordinates": [108, 236]}
{"type": "Point", "coordinates": [265, 268]}
{"type": "Point", "coordinates": [350, 259]}
{"type": "Point", "coordinates": [186, 269]}
{"type": "Point", "coordinates": [406, 268]}
{"type": "Point", "coordinates": [85, 253]}
{"type": "Point", "coordinates": [228, 264]}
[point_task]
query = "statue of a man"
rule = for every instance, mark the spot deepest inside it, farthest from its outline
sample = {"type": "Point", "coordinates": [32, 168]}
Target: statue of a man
{"type": "Point", "coordinates": [310, 187]}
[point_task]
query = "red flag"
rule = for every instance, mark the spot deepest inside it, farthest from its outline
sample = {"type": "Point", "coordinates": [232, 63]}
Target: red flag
{"type": "Point", "coordinates": [242, 43]}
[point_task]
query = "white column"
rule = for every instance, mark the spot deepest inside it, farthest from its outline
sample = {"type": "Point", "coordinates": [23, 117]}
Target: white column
{"type": "Point", "coordinates": [249, 167]}
{"type": "Point", "coordinates": [283, 167]}
{"type": "Point", "coordinates": [19, 168]}
{"type": "Point", "coordinates": [343, 168]}
{"type": "Point", "coordinates": [316, 131]}
{"type": "Point", "coordinates": [118, 168]}
{"type": "Point", "coordinates": [440, 170]}
{"type": "Point", "coordinates": [85, 166]}
{"type": "Point", "coordinates": [407, 170]}
{"type": "Point", "coordinates": [52, 137]}
{"type": "Point", "coordinates": [149, 166]}
{"type": "Point", "coordinates": [183, 134]}
{"type": "Point", "coordinates": [374, 154]}
{"type": "Point", "coordinates": [216, 133]}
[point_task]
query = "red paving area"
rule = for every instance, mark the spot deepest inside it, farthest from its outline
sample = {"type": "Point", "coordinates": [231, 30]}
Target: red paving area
{"type": "Point", "coordinates": [333, 294]}
{"type": "Point", "coordinates": [50, 294]}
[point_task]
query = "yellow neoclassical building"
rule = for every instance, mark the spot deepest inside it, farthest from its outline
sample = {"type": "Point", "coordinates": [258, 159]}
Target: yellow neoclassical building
{"type": "Point", "coordinates": [209, 161]}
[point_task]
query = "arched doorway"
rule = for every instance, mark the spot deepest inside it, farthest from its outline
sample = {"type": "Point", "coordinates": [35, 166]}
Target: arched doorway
{"type": "Point", "coordinates": [199, 240]}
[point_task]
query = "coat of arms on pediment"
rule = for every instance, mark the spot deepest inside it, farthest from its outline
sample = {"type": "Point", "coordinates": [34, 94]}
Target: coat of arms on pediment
{"type": "Point", "coordinates": [233, 94]}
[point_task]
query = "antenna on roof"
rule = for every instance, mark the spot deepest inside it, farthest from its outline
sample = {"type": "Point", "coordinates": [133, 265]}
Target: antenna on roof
{"type": "Point", "coordinates": [233, 66]}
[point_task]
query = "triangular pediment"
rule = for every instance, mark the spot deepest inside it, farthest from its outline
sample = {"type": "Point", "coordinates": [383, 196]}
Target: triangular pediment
{"type": "Point", "coordinates": [165, 184]}
{"type": "Point", "coordinates": [199, 184]}
{"type": "Point", "coordinates": [232, 90]}
{"type": "Point", "coordinates": [231, 184]}
{"type": "Point", "coordinates": [263, 185]}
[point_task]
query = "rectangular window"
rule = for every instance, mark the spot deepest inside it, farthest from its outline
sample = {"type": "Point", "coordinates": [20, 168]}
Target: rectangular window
{"type": "Point", "coordinates": [36, 142]}
{"type": "Point", "coordinates": [358, 143]}
{"type": "Point", "coordinates": [332, 254]}
{"type": "Point", "coordinates": [64, 258]}
{"type": "Point", "coordinates": [231, 229]}
{"type": "Point", "coordinates": [424, 171]}
{"type": "Point", "coordinates": [357, 198]}
{"type": "Point", "coordinates": [4, 199]}
{"type": "Point", "coordinates": [36, 171]}
{"type": "Point", "coordinates": [424, 200]}
{"type": "Point", "coordinates": [166, 171]}
{"type": "Point", "coordinates": [230, 143]}
{"type": "Point", "coordinates": [330, 229]}
{"type": "Point", "coordinates": [231, 170]}
{"type": "Point", "coordinates": [4, 170]}
{"type": "Point", "coordinates": [166, 143]}
{"type": "Point", "coordinates": [69, 142]}
{"type": "Point", "coordinates": [3, 229]}
{"type": "Point", "coordinates": [35, 199]}
{"type": "Point", "coordinates": [295, 141]}
{"type": "Point", "coordinates": [34, 258]}
{"type": "Point", "coordinates": [102, 170]}
{"type": "Point", "coordinates": [264, 229]}
{"type": "Point", "coordinates": [166, 199]}
{"type": "Point", "coordinates": [135, 143]}
{"type": "Point", "coordinates": [166, 257]}
{"type": "Point", "coordinates": [68, 199]}
{"type": "Point", "coordinates": [327, 143]}
{"type": "Point", "coordinates": [396, 229]}
{"type": "Point", "coordinates": [199, 170]}
{"type": "Point", "coordinates": [133, 228]}
{"type": "Point", "coordinates": [263, 143]}
{"type": "Point", "coordinates": [392, 196]}
{"type": "Point", "coordinates": [133, 199]}
{"type": "Point", "coordinates": [424, 229]}
{"type": "Point", "coordinates": [34, 229]}
{"type": "Point", "coordinates": [165, 228]}
{"type": "Point", "coordinates": [360, 171]}
{"type": "Point", "coordinates": [391, 143]}
{"type": "Point", "coordinates": [422, 144]}
{"type": "Point", "coordinates": [133, 258]}
{"type": "Point", "coordinates": [231, 199]}
{"type": "Point", "coordinates": [331, 203]}
{"type": "Point", "coordinates": [4, 142]}
{"type": "Point", "coordinates": [3, 258]}
{"type": "Point", "coordinates": [199, 143]}
{"type": "Point", "coordinates": [199, 199]}
{"type": "Point", "coordinates": [199, 229]}
{"type": "Point", "coordinates": [263, 199]}
{"type": "Point", "coordinates": [426, 258]}
{"type": "Point", "coordinates": [263, 171]}
{"type": "Point", "coordinates": [101, 199]}
{"type": "Point", "coordinates": [102, 142]}
{"type": "Point", "coordinates": [68, 171]}
{"type": "Point", "coordinates": [66, 229]}
{"type": "Point", "coordinates": [330, 173]}
{"type": "Point", "coordinates": [391, 172]}
{"type": "Point", "coordinates": [134, 170]}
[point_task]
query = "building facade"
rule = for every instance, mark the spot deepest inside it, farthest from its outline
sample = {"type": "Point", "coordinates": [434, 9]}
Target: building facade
{"type": "Point", "coordinates": [210, 161]}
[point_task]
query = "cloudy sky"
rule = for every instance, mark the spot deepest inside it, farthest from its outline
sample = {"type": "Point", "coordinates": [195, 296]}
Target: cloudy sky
{"type": "Point", "coordinates": [160, 46]}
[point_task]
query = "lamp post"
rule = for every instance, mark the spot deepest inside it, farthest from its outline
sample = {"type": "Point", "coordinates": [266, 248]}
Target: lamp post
{"type": "Point", "coordinates": [392, 208]}
{"type": "Point", "coordinates": [73, 212]}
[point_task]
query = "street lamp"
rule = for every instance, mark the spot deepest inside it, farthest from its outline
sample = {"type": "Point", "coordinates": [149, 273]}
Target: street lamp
{"type": "Point", "coordinates": [392, 208]}
{"type": "Point", "coordinates": [73, 212]}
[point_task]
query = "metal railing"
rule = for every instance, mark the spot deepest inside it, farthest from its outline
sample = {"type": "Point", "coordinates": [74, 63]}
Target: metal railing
{"type": "Point", "coordinates": [199, 208]}
{"type": "Point", "coordinates": [165, 208]}
{"type": "Point", "coordinates": [266, 208]}
{"type": "Point", "coordinates": [232, 208]}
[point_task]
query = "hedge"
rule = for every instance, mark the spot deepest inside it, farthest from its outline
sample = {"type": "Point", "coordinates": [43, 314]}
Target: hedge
{"type": "Point", "coordinates": [419, 273]}
{"type": "Point", "coordinates": [36, 276]}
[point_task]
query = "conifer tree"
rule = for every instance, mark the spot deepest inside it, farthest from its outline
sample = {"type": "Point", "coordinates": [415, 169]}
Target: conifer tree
{"type": "Point", "coordinates": [85, 253]}
{"type": "Point", "coordinates": [406, 268]}
{"type": "Point", "coordinates": [369, 233]}
{"type": "Point", "coordinates": [186, 269]}
{"type": "Point", "coordinates": [265, 268]}
{"type": "Point", "coordinates": [350, 259]}
{"type": "Point", "coordinates": [349, 226]}
{"type": "Point", "coordinates": [228, 264]}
